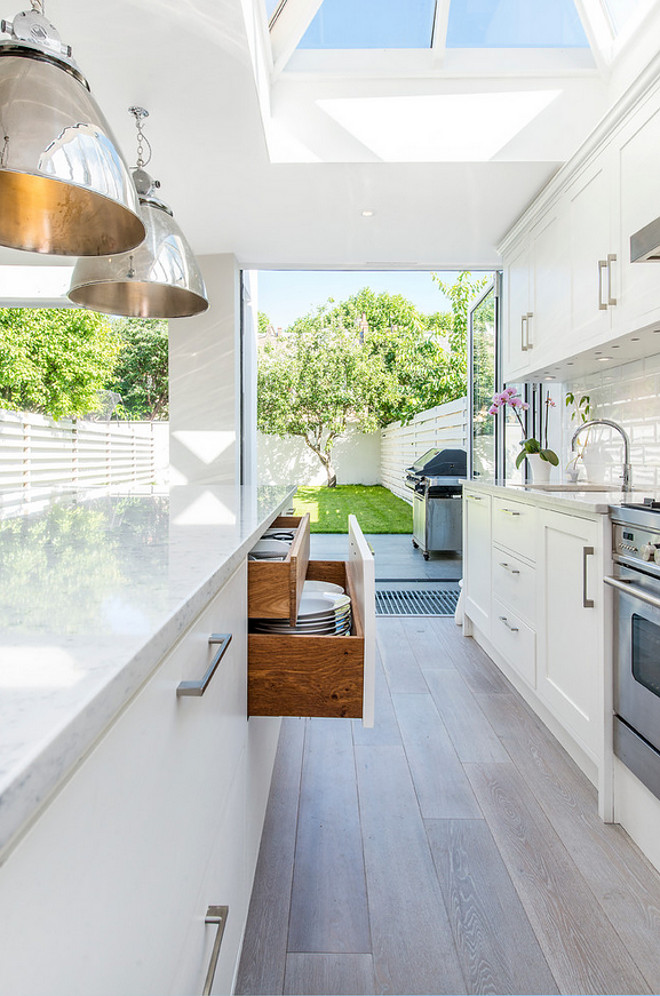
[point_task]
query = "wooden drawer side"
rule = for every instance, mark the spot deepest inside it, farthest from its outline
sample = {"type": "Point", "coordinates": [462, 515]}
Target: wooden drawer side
{"type": "Point", "coordinates": [275, 587]}
{"type": "Point", "coordinates": [309, 675]}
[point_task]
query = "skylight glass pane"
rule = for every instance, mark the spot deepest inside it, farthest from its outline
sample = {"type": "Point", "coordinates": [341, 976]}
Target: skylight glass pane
{"type": "Point", "coordinates": [619, 11]}
{"type": "Point", "coordinates": [371, 24]}
{"type": "Point", "coordinates": [515, 24]}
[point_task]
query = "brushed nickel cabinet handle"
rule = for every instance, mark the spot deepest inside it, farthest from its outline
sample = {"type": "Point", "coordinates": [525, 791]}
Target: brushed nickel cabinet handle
{"type": "Point", "coordinates": [611, 258]}
{"type": "Point", "coordinates": [512, 629]}
{"type": "Point", "coordinates": [587, 551]}
{"type": "Point", "coordinates": [602, 265]}
{"type": "Point", "coordinates": [523, 333]}
{"type": "Point", "coordinates": [199, 687]}
{"type": "Point", "coordinates": [510, 511]}
{"type": "Point", "coordinates": [474, 497]}
{"type": "Point", "coordinates": [511, 570]}
{"type": "Point", "coordinates": [217, 917]}
{"type": "Point", "coordinates": [529, 342]}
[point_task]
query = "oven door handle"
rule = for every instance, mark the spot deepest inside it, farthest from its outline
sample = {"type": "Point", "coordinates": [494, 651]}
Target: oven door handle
{"type": "Point", "coordinates": [632, 589]}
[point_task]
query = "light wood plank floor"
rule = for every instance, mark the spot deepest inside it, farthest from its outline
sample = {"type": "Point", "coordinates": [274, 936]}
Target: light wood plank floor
{"type": "Point", "coordinates": [454, 848]}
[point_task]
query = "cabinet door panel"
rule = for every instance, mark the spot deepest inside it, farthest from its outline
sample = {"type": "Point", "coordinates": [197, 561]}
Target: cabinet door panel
{"type": "Point", "coordinates": [569, 666]}
{"type": "Point", "coordinates": [549, 324]}
{"type": "Point", "coordinates": [517, 297]}
{"type": "Point", "coordinates": [476, 565]}
{"type": "Point", "coordinates": [515, 640]}
{"type": "Point", "coordinates": [590, 241]}
{"type": "Point", "coordinates": [515, 525]}
{"type": "Point", "coordinates": [639, 202]}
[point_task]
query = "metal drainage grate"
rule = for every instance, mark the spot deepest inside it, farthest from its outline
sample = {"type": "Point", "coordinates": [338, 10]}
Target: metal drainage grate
{"type": "Point", "coordinates": [417, 603]}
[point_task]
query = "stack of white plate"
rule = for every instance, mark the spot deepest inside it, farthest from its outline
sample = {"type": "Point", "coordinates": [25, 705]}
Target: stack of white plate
{"type": "Point", "coordinates": [280, 534]}
{"type": "Point", "coordinates": [269, 549]}
{"type": "Point", "coordinates": [321, 613]}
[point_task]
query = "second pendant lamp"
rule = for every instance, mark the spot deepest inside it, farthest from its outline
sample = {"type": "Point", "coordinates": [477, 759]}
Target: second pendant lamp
{"type": "Point", "coordinates": [158, 279]}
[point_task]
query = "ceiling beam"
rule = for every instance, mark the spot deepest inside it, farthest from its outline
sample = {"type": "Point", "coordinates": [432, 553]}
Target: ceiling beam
{"type": "Point", "coordinates": [288, 25]}
{"type": "Point", "coordinates": [440, 24]}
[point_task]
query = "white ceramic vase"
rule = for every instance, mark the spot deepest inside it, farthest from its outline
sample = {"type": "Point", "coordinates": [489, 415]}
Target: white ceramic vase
{"type": "Point", "coordinates": [539, 469]}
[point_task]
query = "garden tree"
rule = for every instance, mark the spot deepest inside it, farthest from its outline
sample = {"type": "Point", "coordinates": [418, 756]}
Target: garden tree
{"type": "Point", "coordinates": [54, 361]}
{"type": "Point", "coordinates": [141, 374]}
{"type": "Point", "coordinates": [264, 323]}
{"type": "Point", "coordinates": [461, 293]}
{"type": "Point", "coordinates": [316, 380]}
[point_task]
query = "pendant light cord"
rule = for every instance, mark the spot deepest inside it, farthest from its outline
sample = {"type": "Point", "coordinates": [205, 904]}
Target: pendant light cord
{"type": "Point", "coordinates": [38, 6]}
{"type": "Point", "coordinates": [139, 114]}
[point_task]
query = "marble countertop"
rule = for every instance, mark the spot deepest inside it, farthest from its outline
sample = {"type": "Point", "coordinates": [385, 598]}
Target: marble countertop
{"type": "Point", "coordinates": [94, 590]}
{"type": "Point", "coordinates": [594, 501]}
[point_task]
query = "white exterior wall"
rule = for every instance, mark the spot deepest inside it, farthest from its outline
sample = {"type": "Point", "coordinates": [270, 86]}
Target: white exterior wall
{"type": "Point", "coordinates": [445, 427]}
{"type": "Point", "coordinates": [204, 366]}
{"type": "Point", "coordinates": [356, 459]}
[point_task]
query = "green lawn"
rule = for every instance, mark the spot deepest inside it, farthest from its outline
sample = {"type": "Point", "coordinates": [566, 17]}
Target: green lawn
{"type": "Point", "coordinates": [377, 509]}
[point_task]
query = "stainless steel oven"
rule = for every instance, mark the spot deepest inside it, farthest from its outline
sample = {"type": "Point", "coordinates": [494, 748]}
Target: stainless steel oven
{"type": "Point", "coordinates": [636, 585]}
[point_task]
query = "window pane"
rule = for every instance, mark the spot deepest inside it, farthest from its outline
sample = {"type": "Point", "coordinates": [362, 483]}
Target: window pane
{"type": "Point", "coordinates": [270, 7]}
{"type": "Point", "coordinates": [515, 24]}
{"type": "Point", "coordinates": [619, 11]}
{"type": "Point", "coordinates": [371, 24]}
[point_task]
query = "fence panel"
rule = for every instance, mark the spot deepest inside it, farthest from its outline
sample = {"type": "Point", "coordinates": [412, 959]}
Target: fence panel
{"type": "Point", "coordinates": [444, 427]}
{"type": "Point", "coordinates": [38, 454]}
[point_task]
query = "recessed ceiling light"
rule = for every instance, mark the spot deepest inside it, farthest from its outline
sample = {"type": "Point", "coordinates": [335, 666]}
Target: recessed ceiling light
{"type": "Point", "coordinates": [570, 363]}
{"type": "Point", "coordinates": [615, 347]}
{"type": "Point", "coordinates": [368, 213]}
{"type": "Point", "coordinates": [598, 352]}
{"type": "Point", "coordinates": [550, 377]}
{"type": "Point", "coordinates": [604, 359]}
{"type": "Point", "coordinates": [634, 338]}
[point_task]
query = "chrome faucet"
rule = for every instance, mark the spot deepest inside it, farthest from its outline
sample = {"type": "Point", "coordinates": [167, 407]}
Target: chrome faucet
{"type": "Point", "coordinates": [626, 477]}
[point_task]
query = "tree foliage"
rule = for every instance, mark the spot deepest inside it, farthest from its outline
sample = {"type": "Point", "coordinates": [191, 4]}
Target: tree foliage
{"type": "Point", "coordinates": [141, 373]}
{"type": "Point", "coordinates": [316, 380]}
{"type": "Point", "coordinates": [54, 361]}
{"type": "Point", "coordinates": [369, 360]}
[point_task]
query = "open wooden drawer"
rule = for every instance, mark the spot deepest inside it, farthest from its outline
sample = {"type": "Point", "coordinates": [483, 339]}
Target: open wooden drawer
{"type": "Point", "coordinates": [321, 675]}
{"type": "Point", "coordinates": [275, 587]}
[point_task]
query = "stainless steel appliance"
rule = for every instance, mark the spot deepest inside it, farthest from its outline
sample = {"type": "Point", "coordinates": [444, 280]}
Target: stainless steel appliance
{"type": "Point", "coordinates": [436, 480]}
{"type": "Point", "coordinates": [636, 584]}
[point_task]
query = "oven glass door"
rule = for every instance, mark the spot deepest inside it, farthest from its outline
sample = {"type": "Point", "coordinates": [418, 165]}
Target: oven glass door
{"type": "Point", "coordinates": [637, 656]}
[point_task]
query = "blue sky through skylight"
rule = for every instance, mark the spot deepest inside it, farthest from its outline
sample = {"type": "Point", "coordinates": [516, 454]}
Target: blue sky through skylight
{"type": "Point", "coordinates": [515, 24]}
{"type": "Point", "coordinates": [371, 24]}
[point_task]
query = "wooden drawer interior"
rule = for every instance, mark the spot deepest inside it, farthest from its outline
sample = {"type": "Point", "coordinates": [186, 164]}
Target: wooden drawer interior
{"type": "Point", "coordinates": [310, 675]}
{"type": "Point", "coordinates": [275, 586]}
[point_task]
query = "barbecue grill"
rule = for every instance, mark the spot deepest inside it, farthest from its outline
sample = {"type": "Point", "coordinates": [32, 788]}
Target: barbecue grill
{"type": "Point", "coordinates": [436, 481]}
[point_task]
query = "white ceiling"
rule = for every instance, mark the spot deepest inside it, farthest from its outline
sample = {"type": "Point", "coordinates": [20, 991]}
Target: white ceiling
{"type": "Point", "coordinates": [217, 124]}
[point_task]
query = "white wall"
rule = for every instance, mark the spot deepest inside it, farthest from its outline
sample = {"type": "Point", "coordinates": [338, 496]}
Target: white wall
{"type": "Point", "coordinates": [444, 427]}
{"type": "Point", "coordinates": [356, 460]}
{"type": "Point", "coordinates": [204, 363]}
{"type": "Point", "coordinates": [630, 395]}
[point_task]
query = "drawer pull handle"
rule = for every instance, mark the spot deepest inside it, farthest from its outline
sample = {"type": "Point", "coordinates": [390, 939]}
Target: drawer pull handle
{"type": "Point", "coordinates": [587, 551]}
{"type": "Point", "coordinates": [509, 511]}
{"type": "Point", "coordinates": [511, 570]}
{"type": "Point", "coordinates": [199, 687]}
{"type": "Point", "coordinates": [474, 497]}
{"type": "Point", "coordinates": [602, 265]}
{"type": "Point", "coordinates": [217, 917]}
{"type": "Point", "coordinates": [610, 259]}
{"type": "Point", "coordinates": [513, 629]}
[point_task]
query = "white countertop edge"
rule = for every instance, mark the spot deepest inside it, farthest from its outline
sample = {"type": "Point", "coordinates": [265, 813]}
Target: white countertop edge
{"type": "Point", "coordinates": [576, 502]}
{"type": "Point", "coordinates": [53, 761]}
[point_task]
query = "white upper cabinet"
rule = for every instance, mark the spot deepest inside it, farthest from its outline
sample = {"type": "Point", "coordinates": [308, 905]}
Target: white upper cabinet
{"type": "Point", "coordinates": [638, 200]}
{"type": "Point", "coordinates": [569, 282]}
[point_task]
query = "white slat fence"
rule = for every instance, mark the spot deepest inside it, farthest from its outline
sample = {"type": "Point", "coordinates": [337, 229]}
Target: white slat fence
{"type": "Point", "coordinates": [444, 427]}
{"type": "Point", "coordinates": [38, 453]}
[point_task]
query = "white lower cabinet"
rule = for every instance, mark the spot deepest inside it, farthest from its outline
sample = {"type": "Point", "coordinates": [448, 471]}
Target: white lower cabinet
{"type": "Point", "coordinates": [570, 669]}
{"type": "Point", "coordinates": [477, 557]}
{"type": "Point", "coordinates": [108, 891]}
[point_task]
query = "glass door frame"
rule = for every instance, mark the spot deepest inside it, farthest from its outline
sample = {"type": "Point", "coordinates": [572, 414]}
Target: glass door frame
{"type": "Point", "coordinates": [494, 287]}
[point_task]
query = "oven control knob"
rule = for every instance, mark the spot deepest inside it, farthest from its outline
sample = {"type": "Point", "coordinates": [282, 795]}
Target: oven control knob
{"type": "Point", "coordinates": [648, 551]}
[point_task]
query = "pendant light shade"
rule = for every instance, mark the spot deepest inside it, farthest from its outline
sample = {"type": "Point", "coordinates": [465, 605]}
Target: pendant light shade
{"type": "Point", "coordinates": [159, 279]}
{"type": "Point", "coordinates": [65, 189]}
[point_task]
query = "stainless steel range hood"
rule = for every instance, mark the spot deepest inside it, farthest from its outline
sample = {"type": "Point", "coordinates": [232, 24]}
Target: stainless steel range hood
{"type": "Point", "coordinates": [645, 244]}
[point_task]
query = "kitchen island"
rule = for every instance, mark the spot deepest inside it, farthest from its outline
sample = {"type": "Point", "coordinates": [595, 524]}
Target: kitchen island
{"type": "Point", "coordinates": [115, 794]}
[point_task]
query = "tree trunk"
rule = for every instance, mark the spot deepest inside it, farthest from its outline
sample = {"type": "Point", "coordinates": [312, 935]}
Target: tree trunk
{"type": "Point", "coordinates": [326, 460]}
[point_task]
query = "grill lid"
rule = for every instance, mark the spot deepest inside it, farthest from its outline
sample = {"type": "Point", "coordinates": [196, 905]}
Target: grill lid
{"type": "Point", "coordinates": [440, 463]}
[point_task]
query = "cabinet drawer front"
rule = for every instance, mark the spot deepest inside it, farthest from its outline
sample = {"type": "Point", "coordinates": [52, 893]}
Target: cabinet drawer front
{"type": "Point", "coordinates": [515, 526]}
{"type": "Point", "coordinates": [275, 587]}
{"type": "Point", "coordinates": [515, 640]}
{"type": "Point", "coordinates": [514, 581]}
{"type": "Point", "coordinates": [321, 675]}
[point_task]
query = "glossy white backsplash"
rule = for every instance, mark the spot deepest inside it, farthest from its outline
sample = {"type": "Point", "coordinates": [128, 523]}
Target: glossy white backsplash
{"type": "Point", "coordinates": [630, 395]}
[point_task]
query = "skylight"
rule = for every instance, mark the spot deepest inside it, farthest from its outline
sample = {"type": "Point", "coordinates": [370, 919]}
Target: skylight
{"type": "Point", "coordinates": [516, 24]}
{"type": "Point", "coordinates": [371, 24]}
{"type": "Point", "coordinates": [619, 11]}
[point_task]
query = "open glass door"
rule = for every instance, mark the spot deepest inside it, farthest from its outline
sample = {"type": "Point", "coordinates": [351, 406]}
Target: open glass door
{"type": "Point", "coordinates": [483, 381]}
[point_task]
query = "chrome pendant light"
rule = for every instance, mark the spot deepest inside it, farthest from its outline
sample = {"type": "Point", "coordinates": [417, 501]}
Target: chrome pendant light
{"type": "Point", "coordinates": [64, 187]}
{"type": "Point", "coordinates": [159, 279]}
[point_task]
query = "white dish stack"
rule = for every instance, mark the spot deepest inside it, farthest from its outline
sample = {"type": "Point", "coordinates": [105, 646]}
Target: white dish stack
{"type": "Point", "coordinates": [325, 610]}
